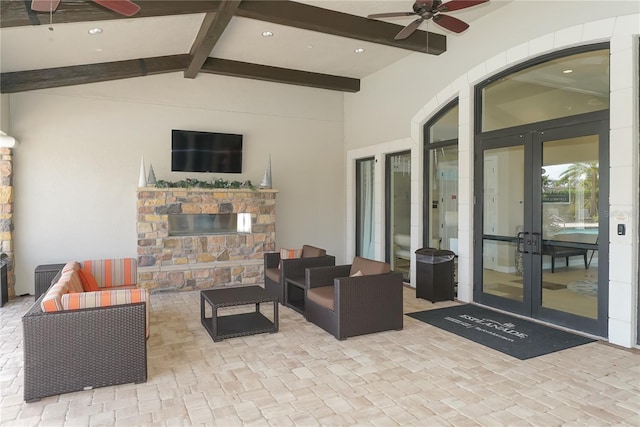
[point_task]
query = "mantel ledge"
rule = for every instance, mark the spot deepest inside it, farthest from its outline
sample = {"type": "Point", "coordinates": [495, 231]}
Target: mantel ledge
{"type": "Point", "coordinates": [199, 266]}
{"type": "Point", "coordinates": [210, 190]}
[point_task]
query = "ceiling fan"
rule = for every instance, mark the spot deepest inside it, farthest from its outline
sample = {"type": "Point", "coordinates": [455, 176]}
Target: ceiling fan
{"type": "Point", "coordinates": [432, 9]}
{"type": "Point", "coordinates": [123, 7]}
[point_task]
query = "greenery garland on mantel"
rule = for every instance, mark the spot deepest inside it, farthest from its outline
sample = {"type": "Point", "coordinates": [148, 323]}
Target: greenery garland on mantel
{"type": "Point", "coordinates": [196, 183]}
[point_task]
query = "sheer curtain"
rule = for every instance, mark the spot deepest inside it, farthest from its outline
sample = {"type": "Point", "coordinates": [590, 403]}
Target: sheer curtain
{"type": "Point", "coordinates": [366, 212]}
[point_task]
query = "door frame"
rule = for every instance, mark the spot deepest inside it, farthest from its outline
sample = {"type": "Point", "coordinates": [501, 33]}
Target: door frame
{"type": "Point", "coordinates": [388, 233]}
{"type": "Point", "coordinates": [533, 136]}
{"type": "Point", "coordinates": [427, 202]}
{"type": "Point", "coordinates": [486, 143]}
{"type": "Point", "coordinates": [597, 326]}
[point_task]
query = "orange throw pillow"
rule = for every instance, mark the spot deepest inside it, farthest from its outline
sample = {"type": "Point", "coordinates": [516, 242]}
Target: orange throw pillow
{"type": "Point", "coordinates": [289, 254]}
{"type": "Point", "coordinates": [89, 283]}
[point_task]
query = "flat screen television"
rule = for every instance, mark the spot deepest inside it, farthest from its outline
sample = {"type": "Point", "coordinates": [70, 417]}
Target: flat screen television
{"type": "Point", "coordinates": [193, 151]}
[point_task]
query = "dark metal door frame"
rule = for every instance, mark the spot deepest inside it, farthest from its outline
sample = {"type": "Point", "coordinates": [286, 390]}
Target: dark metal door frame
{"type": "Point", "coordinates": [387, 203]}
{"type": "Point", "coordinates": [532, 138]}
{"type": "Point", "coordinates": [597, 326]}
{"type": "Point", "coordinates": [502, 141]}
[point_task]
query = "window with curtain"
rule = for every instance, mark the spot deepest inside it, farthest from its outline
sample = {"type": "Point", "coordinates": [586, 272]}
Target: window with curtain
{"type": "Point", "coordinates": [365, 169]}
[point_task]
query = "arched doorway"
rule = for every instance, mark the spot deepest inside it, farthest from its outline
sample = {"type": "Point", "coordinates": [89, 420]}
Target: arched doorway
{"type": "Point", "coordinates": [541, 188]}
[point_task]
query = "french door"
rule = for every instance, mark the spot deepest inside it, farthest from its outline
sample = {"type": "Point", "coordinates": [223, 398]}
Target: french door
{"type": "Point", "coordinates": [398, 212]}
{"type": "Point", "coordinates": [542, 205]}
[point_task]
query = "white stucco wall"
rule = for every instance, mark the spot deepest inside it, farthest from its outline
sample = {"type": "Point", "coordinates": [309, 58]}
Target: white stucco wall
{"type": "Point", "coordinates": [77, 164]}
{"type": "Point", "coordinates": [4, 113]}
{"type": "Point", "coordinates": [396, 102]}
{"type": "Point", "coordinates": [382, 110]}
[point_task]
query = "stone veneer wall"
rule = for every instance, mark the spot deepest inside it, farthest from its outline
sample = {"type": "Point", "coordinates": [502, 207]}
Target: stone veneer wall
{"type": "Point", "coordinates": [6, 214]}
{"type": "Point", "coordinates": [203, 261]}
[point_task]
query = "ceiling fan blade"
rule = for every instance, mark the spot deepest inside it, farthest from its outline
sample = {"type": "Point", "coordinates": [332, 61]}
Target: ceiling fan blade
{"type": "Point", "coordinates": [409, 29]}
{"type": "Point", "coordinates": [123, 7]}
{"type": "Point", "coordinates": [389, 15]}
{"type": "Point", "coordinates": [459, 4]}
{"type": "Point", "coordinates": [44, 5]}
{"type": "Point", "coordinates": [450, 23]}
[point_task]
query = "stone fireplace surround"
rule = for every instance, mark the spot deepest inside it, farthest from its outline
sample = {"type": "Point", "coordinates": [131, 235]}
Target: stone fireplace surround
{"type": "Point", "coordinates": [202, 261]}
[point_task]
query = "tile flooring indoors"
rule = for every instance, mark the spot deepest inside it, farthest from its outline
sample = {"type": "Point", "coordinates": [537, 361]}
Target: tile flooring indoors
{"type": "Point", "coordinates": [303, 376]}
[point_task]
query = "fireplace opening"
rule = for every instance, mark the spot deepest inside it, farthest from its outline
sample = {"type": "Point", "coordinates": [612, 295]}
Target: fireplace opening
{"type": "Point", "coordinates": [197, 224]}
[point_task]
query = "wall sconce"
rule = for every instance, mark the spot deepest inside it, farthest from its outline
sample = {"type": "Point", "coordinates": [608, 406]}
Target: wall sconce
{"type": "Point", "coordinates": [244, 223]}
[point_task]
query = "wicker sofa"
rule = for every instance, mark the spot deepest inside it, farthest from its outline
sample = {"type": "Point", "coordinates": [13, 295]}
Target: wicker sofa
{"type": "Point", "coordinates": [348, 300]}
{"type": "Point", "coordinates": [76, 340]}
{"type": "Point", "coordinates": [277, 269]}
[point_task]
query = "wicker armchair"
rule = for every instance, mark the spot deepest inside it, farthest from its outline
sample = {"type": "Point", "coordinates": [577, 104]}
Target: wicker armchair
{"type": "Point", "coordinates": [345, 305]}
{"type": "Point", "coordinates": [276, 270]}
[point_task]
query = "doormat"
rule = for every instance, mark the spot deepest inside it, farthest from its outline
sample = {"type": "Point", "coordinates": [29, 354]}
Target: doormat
{"type": "Point", "coordinates": [511, 335]}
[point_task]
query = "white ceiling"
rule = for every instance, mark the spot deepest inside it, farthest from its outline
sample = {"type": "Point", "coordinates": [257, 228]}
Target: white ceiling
{"type": "Point", "coordinates": [37, 47]}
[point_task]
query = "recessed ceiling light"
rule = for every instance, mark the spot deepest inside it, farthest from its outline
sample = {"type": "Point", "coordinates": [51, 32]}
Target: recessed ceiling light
{"type": "Point", "coordinates": [567, 71]}
{"type": "Point", "coordinates": [359, 50]}
{"type": "Point", "coordinates": [95, 31]}
{"type": "Point", "coordinates": [267, 34]}
{"type": "Point", "coordinates": [310, 46]}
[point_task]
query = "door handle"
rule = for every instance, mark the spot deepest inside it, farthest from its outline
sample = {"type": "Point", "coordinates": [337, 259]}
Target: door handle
{"type": "Point", "coordinates": [520, 242]}
{"type": "Point", "coordinates": [536, 243]}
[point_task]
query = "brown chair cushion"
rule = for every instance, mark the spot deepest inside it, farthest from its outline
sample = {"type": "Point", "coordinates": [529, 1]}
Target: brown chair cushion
{"type": "Point", "coordinates": [369, 266]}
{"type": "Point", "coordinates": [322, 295]}
{"type": "Point", "coordinates": [273, 274]}
{"type": "Point", "coordinates": [312, 252]}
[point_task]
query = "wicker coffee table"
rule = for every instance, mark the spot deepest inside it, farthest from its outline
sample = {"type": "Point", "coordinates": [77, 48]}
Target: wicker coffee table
{"type": "Point", "coordinates": [237, 325]}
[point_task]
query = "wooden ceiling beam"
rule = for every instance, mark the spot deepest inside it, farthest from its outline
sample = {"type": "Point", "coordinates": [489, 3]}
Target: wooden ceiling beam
{"type": "Point", "coordinates": [304, 16]}
{"type": "Point", "coordinates": [268, 73]}
{"type": "Point", "coordinates": [211, 30]}
{"type": "Point", "coordinates": [22, 81]}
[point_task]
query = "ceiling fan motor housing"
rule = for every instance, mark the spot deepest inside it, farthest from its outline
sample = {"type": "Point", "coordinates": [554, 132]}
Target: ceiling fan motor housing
{"type": "Point", "coordinates": [426, 9]}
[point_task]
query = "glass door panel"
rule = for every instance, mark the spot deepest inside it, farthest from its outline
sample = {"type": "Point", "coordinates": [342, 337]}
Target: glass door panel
{"type": "Point", "coordinates": [503, 220]}
{"type": "Point", "coordinates": [398, 209]}
{"type": "Point", "coordinates": [443, 182]}
{"type": "Point", "coordinates": [570, 225]}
